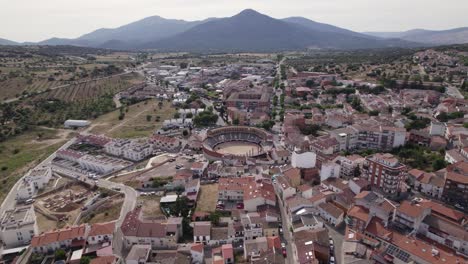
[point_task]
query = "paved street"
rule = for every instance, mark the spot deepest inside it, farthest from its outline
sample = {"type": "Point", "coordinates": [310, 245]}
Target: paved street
{"type": "Point", "coordinates": [337, 235]}
{"type": "Point", "coordinates": [287, 235]}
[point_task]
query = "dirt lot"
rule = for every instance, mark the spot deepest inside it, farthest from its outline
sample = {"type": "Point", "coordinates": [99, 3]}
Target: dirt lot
{"type": "Point", "coordinates": [135, 124]}
{"type": "Point", "coordinates": [207, 198]}
{"type": "Point", "coordinates": [64, 205]}
{"type": "Point", "coordinates": [108, 212]}
{"type": "Point", "coordinates": [167, 169]}
{"type": "Point", "coordinates": [150, 206]}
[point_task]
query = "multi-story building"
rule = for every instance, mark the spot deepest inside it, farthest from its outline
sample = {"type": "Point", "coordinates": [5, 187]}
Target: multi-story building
{"type": "Point", "coordinates": [411, 214]}
{"type": "Point", "coordinates": [427, 183]}
{"type": "Point", "coordinates": [249, 101]}
{"type": "Point", "coordinates": [456, 184]}
{"type": "Point", "coordinates": [165, 143]}
{"type": "Point", "coordinates": [101, 233]}
{"type": "Point", "coordinates": [232, 189]}
{"type": "Point", "coordinates": [129, 149]}
{"type": "Point", "coordinates": [350, 166]}
{"type": "Point", "coordinates": [18, 226]}
{"type": "Point", "coordinates": [159, 234]}
{"type": "Point", "coordinates": [384, 172]}
{"type": "Point", "coordinates": [369, 137]}
{"type": "Point", "coordinates": [32, 182]}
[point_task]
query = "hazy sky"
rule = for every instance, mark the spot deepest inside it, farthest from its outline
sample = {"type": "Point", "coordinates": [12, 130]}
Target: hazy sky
{"type": "Point", "coordinates": [34, 20]}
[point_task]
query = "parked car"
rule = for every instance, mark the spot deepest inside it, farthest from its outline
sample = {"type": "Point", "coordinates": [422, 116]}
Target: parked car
{"type": "Point", "coordinates": [280, 230]}
{"type": "Point", "coordinates": [29, 201]}
{"type": "Point", "coordinates": [240, 206]}
{"type": "Point", "coordinates": [332, 260]}
{"type": "Point", "coordinates": [283, 245]}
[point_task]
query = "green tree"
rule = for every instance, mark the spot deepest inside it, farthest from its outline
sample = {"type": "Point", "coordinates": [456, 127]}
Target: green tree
{"type": "Point", "coordinates": [60, 254]}
{"type": "Point", "coordinates": [85, 260]}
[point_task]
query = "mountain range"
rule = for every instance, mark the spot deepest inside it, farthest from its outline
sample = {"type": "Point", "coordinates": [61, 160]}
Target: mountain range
{"type": "Point", "coordinates": [433, 37]}
{"type": "Point", "coordinates": [246, 31]}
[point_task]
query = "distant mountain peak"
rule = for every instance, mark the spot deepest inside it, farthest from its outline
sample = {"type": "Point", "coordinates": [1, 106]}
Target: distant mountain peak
{"type": "Point", "coordinates": [249, 12]}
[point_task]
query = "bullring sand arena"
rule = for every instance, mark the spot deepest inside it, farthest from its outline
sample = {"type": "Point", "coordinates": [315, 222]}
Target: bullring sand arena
{"type": "Point", "coordinates": [239, 141]}
{"type": "Point", "coordinates": [238, 148]}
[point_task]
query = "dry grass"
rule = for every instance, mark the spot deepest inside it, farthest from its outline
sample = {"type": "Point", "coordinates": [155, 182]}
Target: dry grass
{"type": "Point", "coordinates": [134, 124]}
{"type": "Point", "coordinates": [106, 213]}
{"type": "Point", "coordinates": [18, 154]}
{"type": "Point", "coordinates": [150, 207]}
{"type": "Point", "coordinates": [45, 224]}
{"type": "Point", "coordinates": [207, 198]}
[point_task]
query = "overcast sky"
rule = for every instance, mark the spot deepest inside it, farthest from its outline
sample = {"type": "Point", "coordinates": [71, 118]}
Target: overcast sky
{"type": "Point", "coordinates": [35, 20]}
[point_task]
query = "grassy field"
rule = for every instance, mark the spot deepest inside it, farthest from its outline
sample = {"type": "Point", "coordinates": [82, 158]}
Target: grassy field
{"type": "Point", "coordinates": [135, 123]}
{"type": "Point", "coordinates": [208, 198]}
{"type": "Point", "coordinates": [23, 152]}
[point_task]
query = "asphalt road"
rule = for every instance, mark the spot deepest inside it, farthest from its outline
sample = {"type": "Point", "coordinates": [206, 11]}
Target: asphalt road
{"type": "Point", "coordinates": [287, 235]}
{"type": "Point", "coordinates": [337, 235]}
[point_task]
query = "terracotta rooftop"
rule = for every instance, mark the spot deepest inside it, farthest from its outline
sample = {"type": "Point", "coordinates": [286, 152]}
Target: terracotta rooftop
{"type": "Point", "coordinates": [359, 212]}
{"type": "Point", "coordinates": [102, 229]}
{"type": "Point", "coordinates": [68, 233]}
{"type": "Point", "coordinates": [331, 209]}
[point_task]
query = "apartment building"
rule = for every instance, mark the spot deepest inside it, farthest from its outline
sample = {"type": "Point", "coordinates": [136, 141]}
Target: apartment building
{"type": "Point", "coordinates": [18, 226]}
{"type": "Point", "coordinates": [385, 172]}
{"type": "Point", "coordinates": [32, 182]}
{"type": "Point", "coordinates": [371, 137]}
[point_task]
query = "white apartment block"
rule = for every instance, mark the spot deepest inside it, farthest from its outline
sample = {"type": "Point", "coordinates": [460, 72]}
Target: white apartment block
{"type": "Point", "coordinates": [18, 226]}
{"type": "Point", "coordinates": [32, 182]}
{"type": "Point", "coordinates": [373, 137]}
{"type": "Point", "coordinates": [102, 164]}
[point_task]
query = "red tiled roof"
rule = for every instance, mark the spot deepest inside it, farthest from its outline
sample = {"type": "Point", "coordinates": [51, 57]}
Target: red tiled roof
{"type": "Point", "coordinates": [103, 260]}
{"type": "Point", "coordinates": [197, 247]}
{"type": "Point", "coordinates": [359, 212]}
{"type": "Point", "coordinates": [102, 229]}
{"type": "Point", "coordinates": [412, 210]}
{"type": "Point", "coordinates": [64, 234]}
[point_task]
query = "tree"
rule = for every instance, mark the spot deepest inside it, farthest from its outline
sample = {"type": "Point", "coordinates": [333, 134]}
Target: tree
{"type": "Point", "coordinates": [176, 115]}
{"type": "Point", "coordinates": [439, 164]}
{"type": "Point", "coordinates": [148, 118]}
{"type": "Point", "coordinates": [310, 83]}
{"type": "Point", "coordinates": [181, 207]}
{"type": "Point", "coordinates": [189, 115]}
{"type": "Point", "coordinates": [85, 260]}
{"type": "Point", "coordinates": [60, 254]}
{"type": "Point", "coordinates": [214, 218]}
{"type": "Point", "coordinates": [205, 118]}
{"type": "Point", "coordinates": [185, 133]}
{"type": "Point", "coordinates": [235, 121]}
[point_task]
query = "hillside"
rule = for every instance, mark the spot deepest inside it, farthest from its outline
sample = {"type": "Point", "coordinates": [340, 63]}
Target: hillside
{"type": "Point", "coordinates": [434, 37]}
{"type": "Point", "coordinates": [7, 42]}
